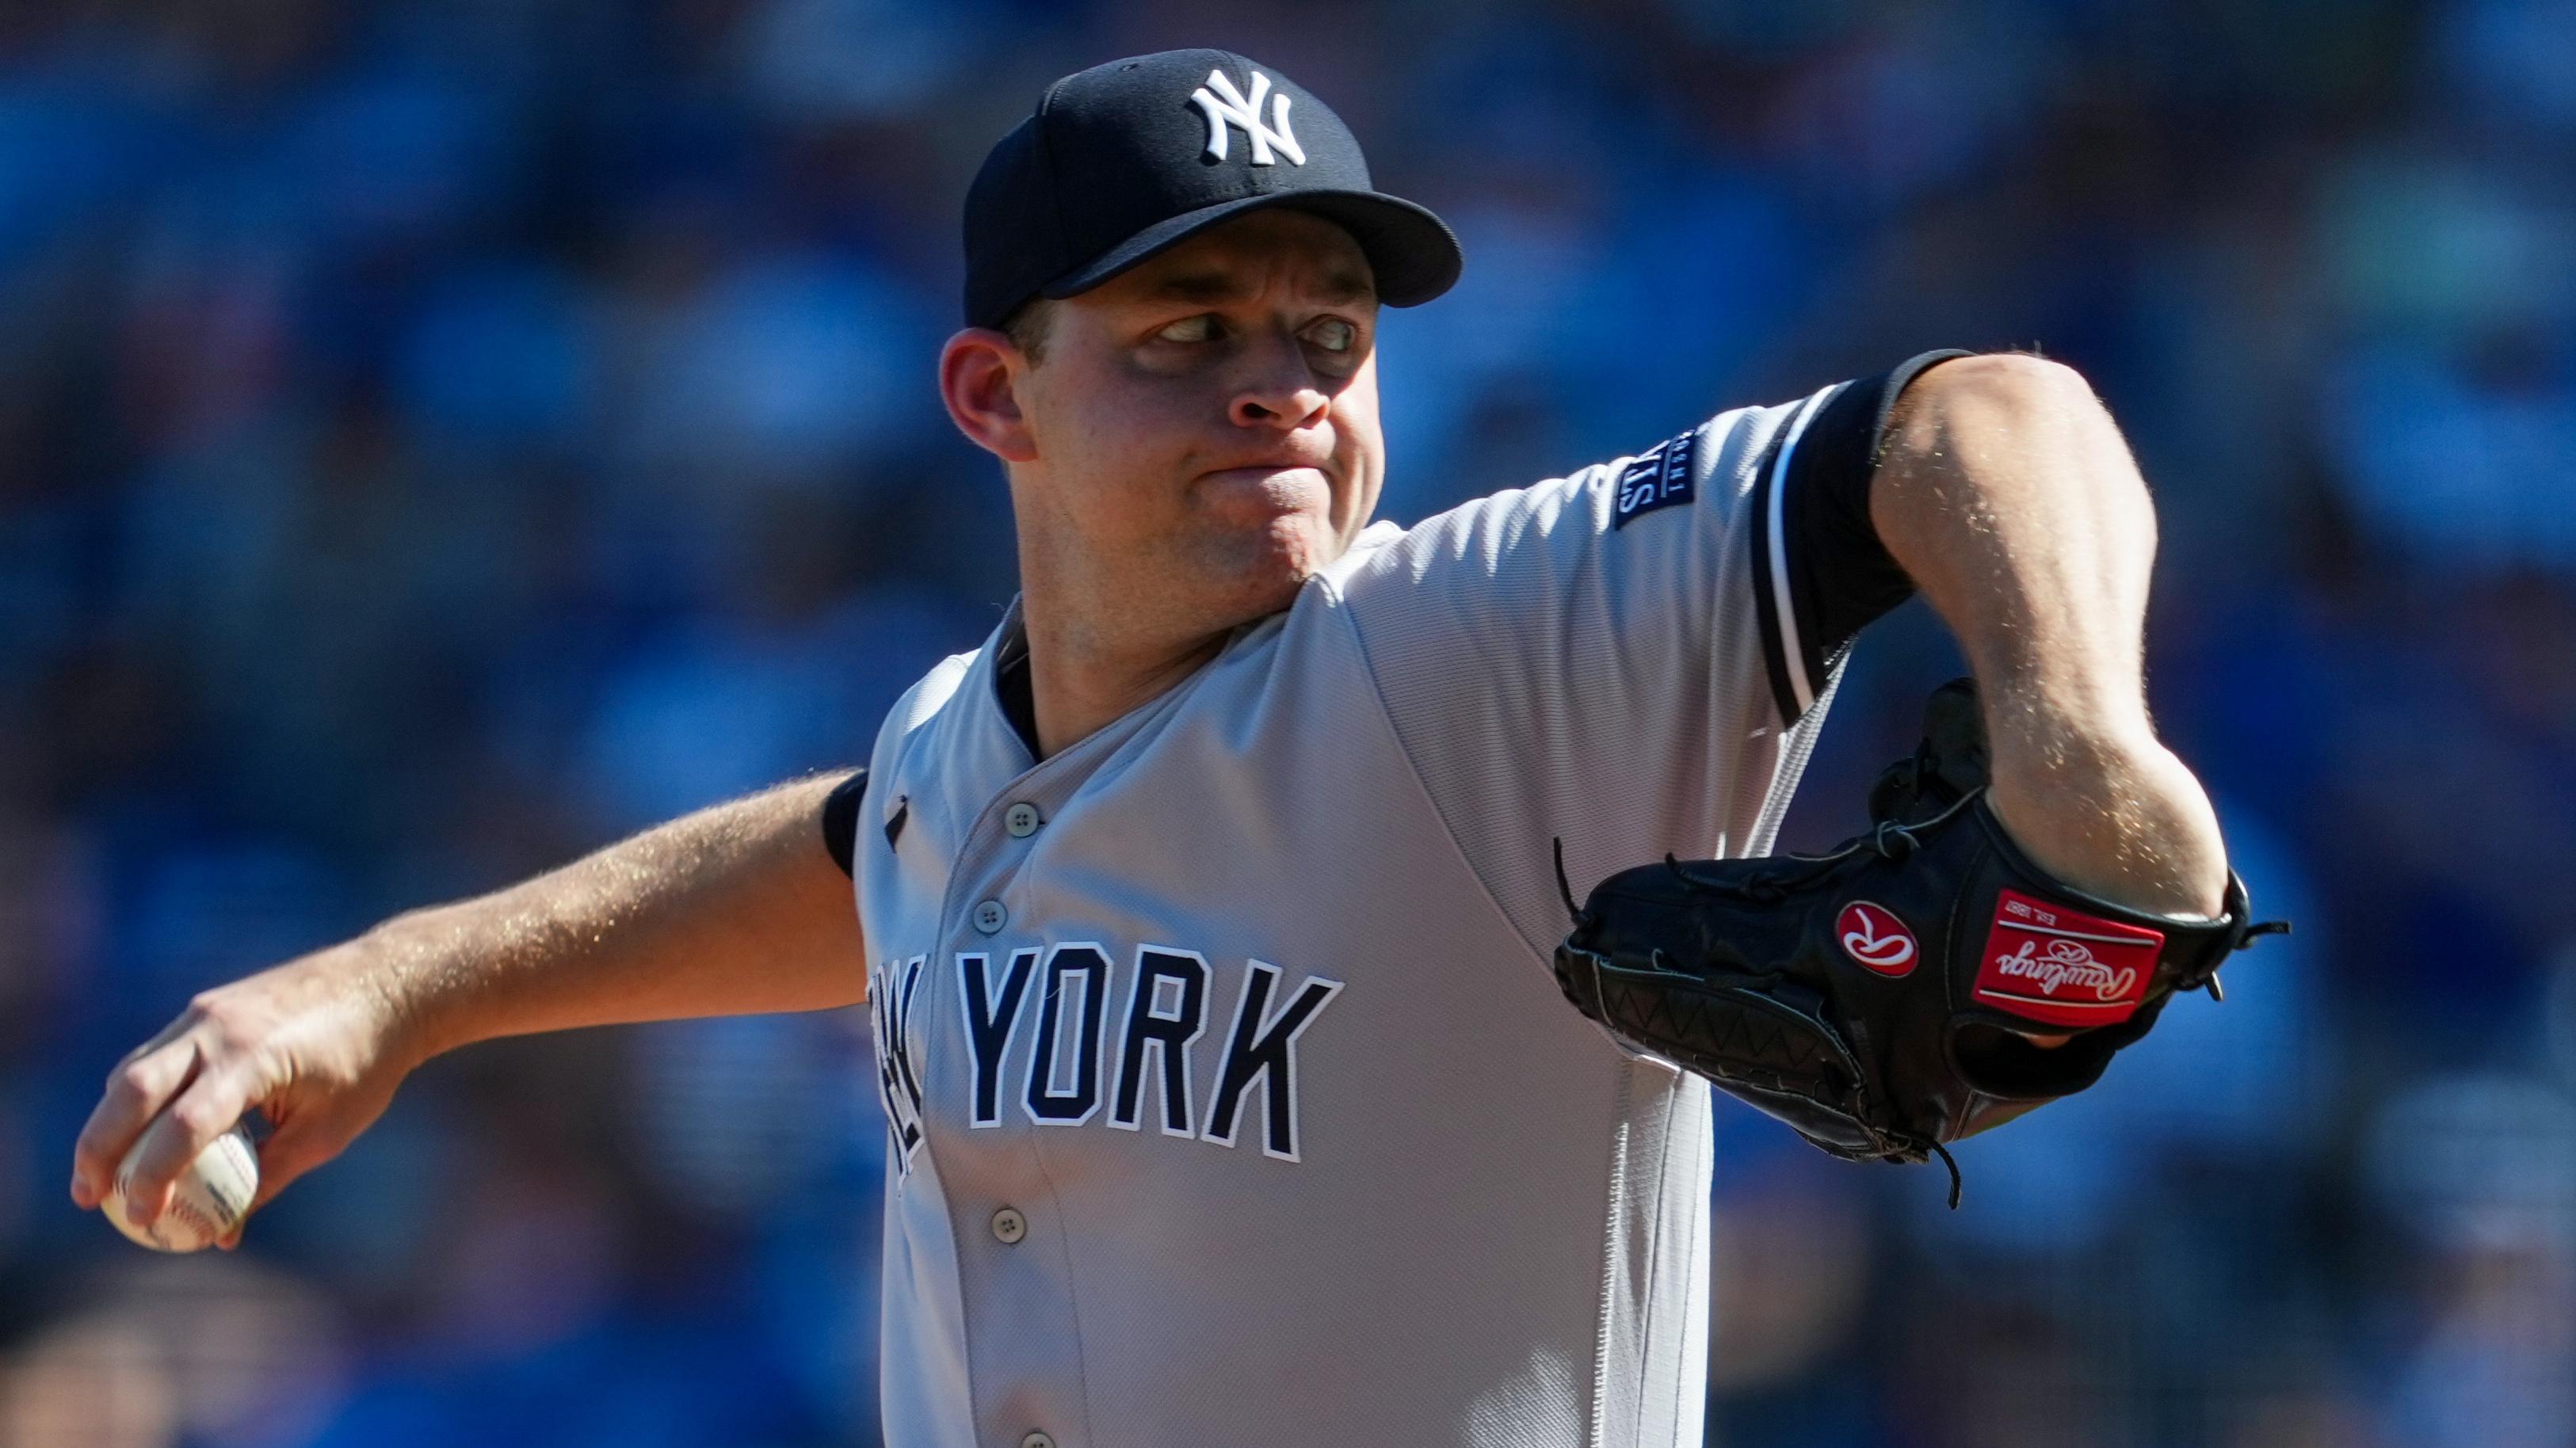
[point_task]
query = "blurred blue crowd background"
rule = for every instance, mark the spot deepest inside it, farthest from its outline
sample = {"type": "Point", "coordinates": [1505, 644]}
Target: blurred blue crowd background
{"type": "Point", "coordinates": [437, 438]}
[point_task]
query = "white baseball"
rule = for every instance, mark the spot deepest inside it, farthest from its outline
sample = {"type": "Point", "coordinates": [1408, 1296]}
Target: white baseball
{"type": "Point", "coordinates": [209, 1199]}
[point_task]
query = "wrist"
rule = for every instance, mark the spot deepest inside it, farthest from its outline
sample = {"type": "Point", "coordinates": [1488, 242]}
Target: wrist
{"type": "Point", "coordinates": [2114, 814]}
{"type": "Point", "coordinates": [420, 1012]}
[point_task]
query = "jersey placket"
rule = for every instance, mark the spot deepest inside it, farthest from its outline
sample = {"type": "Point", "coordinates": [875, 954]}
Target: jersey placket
{"type": "Point", "coordinates": [1015, 1263]}
{"type": "Point", "coordinates": [1014, 1267]}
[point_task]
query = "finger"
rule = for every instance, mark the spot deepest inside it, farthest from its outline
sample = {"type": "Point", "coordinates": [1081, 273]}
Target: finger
{"type": "Point", "coordinates": [136, 1091]}
{"type": "Point", "coordinates": [2044, 1042]}
{"type": "Point", "coordinates": [179, 1026]}
{"type": "Point", "coordinates": [204, 1111]}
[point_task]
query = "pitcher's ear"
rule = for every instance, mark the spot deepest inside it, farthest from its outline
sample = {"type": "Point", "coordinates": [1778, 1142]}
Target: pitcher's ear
{"type": "Point", "coordinates": [980, 372]}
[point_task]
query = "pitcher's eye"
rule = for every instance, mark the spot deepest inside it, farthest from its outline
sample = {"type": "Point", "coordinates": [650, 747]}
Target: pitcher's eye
{"type": "Point", "coordinates": [1334, 335]}
{"type": "Point", "coordinates": [1201, 328]}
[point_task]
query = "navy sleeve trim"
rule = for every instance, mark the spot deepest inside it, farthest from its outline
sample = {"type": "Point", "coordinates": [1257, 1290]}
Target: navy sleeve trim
{"type": "Point", "coordinates": [841, 821]}
{"type": "Point", "coordinates": [1820, 572]}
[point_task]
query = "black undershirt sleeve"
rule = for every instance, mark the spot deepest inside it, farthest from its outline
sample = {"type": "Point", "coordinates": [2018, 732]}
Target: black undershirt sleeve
{"type": "Point", "coordinates": [1814, 541]}
{"type": "Point", "coordinates": [841, 820]}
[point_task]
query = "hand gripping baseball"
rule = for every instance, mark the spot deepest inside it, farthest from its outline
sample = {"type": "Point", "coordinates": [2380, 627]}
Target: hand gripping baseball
{"type": "Point", "coordinates": [1879, 998]}
{"type": "Point", "coordinates": [307, 1042]}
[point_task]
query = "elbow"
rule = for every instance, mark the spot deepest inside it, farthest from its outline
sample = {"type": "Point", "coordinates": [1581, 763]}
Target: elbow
{"type": "Point", "coordinates": [1995, 397]}
{"type": "Point", "coordinates": [2012, 382]}
{"type": "Point", "coordinates": [1983, 422]}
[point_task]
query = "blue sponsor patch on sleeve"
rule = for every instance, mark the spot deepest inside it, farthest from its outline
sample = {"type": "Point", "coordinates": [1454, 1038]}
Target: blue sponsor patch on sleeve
{"type": "Point", "coordinates": [1659, 477]}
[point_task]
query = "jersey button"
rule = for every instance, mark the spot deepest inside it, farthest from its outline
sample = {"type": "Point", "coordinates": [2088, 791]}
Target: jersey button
{"type": "Point", "coordinates": [990, 916]}
{"type": "Point", "coordinates": [1021, 820]}
{"type": "Point", "coordinates": [1037, 1440]}
{"type": "Point", "coordinates": [1009, 1226]}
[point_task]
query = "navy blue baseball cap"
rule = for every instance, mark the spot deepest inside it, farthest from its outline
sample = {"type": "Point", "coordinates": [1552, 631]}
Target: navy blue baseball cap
{"type": "Point", "coordinates": [1128, 159]}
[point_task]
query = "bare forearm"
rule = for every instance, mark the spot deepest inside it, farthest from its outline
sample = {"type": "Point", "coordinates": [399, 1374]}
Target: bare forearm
{"type": "Point", "coordinates": [2007, 494]}
{"type": "Point", "coordinates": [733, 910]}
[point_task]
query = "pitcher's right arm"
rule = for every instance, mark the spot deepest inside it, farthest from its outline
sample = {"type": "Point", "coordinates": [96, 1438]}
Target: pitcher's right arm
{"type": "Point", "coordinates": [737, 909]}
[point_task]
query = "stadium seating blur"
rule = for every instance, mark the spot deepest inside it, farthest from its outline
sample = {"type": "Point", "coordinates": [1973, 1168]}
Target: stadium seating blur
{"type": "Point", "coordinates": [439, 438]}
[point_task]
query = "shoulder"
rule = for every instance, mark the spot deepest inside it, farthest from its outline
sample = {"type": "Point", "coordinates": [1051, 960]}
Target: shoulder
{"type": "Point", "coordinates": [921, 707]}
{"type": "Point", "coordinates": [924, 700]}
{"type": "Point", "coordinates": [1480, 528]}
{"type": "Point", "coordinates": [1375, 542]}
{"type": "Point", "coordinates": [1710, 463]}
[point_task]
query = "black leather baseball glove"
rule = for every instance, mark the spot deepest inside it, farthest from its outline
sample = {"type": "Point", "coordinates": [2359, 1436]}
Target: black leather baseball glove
{"type": "Point", "coordinates": [1879, 998]}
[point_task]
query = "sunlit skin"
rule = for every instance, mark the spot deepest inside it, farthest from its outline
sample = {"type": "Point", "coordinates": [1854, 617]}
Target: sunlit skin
{"type": "Point", "coordinates": [1197, 437]}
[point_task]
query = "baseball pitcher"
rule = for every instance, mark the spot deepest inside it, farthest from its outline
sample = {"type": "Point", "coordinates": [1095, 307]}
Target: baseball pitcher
{"type": "Point", "coordinates": [1210, 915]}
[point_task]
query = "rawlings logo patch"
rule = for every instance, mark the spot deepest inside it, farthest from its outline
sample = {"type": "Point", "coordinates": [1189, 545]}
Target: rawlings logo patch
{"type": "Point", "coordinates": [1659, 477]}
{"type": "Point", "coordinates": [1872, 935]}
{"type": "Point", "coordinates": [2047, 963]}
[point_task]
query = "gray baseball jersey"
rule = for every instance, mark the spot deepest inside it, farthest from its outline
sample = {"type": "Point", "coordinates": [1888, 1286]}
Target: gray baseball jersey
{"type": "Point", "coordinates": [1230, 1097]}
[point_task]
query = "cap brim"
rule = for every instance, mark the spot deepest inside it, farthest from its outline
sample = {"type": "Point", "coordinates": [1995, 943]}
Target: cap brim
{"type": "Point", "coordinates": [1411, 252]}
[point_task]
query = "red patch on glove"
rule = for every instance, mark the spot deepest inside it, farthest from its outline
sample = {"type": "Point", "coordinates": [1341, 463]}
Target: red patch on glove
{"type": "Point", "coordinates": [2047, 963]}
{"type": "Point", "coordinates": [1872, 935]}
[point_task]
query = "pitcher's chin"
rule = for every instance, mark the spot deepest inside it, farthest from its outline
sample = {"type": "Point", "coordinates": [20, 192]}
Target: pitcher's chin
{"type": "Point", "coordinates": [1272, 562]}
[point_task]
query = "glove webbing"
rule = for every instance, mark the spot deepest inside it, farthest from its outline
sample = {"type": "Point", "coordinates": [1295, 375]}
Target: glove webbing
{"type": "Point", "coordinates": [1890, 840]}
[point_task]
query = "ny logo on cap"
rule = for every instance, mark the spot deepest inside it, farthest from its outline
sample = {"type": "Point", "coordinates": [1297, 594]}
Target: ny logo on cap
{"type": "Point", "coordinates": [1225, 104]}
